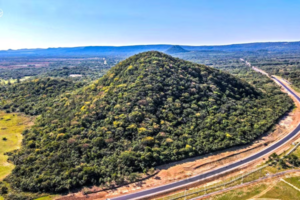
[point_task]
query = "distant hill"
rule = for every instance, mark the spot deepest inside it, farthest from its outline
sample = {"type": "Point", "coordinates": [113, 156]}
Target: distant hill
{"type": "Point", "coordinates": [176, 49]}
{"type": "Point", "coordinates": [131, 50]}
{"type": "Point", "coordinates": [148, 110]}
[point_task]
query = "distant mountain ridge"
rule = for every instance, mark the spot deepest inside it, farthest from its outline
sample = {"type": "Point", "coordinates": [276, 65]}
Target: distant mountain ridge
{"type": "Point", "coordinates": [131, 50]}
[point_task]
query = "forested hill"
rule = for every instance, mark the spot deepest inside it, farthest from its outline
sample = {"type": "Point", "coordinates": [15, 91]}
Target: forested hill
{"type": "Point", "coordinates": [176, 49]}
{"type": "Point", "coordinates": [148, 110]}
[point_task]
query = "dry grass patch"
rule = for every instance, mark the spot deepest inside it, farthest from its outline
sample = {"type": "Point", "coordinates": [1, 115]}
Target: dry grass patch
{"type": "Point", "coordinates": [242, 193]}
{"type": "Point", "coordinates": [282, 191]}
{"type": "Point", "coordinates": [11, 127]}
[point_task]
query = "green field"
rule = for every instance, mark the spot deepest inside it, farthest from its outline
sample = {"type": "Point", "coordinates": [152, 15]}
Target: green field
{"type": "Point", "coordinates": [242, 193]}
{"type": "Point", "coordinates": [294, 181]}
{"type": "Point", "coordinates": [282, 191]}
{"type": "Point", "coordinates": [11, 127]}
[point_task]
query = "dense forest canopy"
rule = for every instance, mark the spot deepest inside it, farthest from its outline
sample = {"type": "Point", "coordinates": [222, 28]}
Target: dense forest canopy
{"type": "Point", "coordinates": [34, 96]}
{"type": "Point", "coordinates": [148, 110]}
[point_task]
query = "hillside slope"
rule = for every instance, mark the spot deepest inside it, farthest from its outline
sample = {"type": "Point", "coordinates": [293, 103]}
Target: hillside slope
{"type": "Point", "coordinates": [147, 110]}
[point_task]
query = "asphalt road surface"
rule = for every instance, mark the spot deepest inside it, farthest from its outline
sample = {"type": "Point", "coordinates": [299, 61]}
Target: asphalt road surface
{"type": "Point", "coordinates": [169, 187]}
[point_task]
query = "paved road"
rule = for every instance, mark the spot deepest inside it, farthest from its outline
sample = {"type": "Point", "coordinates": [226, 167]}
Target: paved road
{"type": "Point", "coordinates": [214, 172]}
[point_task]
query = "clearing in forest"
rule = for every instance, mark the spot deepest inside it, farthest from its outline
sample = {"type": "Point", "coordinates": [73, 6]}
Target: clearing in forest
{"type": "Point", "coordinates": [11, 127]}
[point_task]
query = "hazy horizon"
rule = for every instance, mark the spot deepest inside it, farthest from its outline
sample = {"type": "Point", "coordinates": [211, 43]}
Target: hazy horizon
{"type": "Point", "coordinates": [150, 45]}
{"type": "Point", "coordinates": [29, 24]}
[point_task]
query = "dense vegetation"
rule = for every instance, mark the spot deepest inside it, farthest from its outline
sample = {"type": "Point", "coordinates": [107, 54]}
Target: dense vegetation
{"type": "Point", "coordinates": [147, 110]}
{"type": "Point", "coordinates": [35, 96]}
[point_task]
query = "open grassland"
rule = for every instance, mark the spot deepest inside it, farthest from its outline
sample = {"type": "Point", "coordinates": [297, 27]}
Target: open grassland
{"type": "Point", "coordinates": [268, 190]}
{"type": "Point", "coordinates": [282, 191]}
{"type": "Point", "coordinates": [294, 181]}
{"type": "Point", "coordinates": [242, 193]}
{"type": "Point", "coordinates": [11, 128]}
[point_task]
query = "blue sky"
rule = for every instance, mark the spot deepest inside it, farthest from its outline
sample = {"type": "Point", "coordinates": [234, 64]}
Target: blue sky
{"type": "Point", "coordinates": [63, 23]}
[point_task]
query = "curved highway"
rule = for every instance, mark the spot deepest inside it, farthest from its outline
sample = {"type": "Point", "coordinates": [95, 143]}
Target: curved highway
{"type": "Point", "coordinates": [169, 187]}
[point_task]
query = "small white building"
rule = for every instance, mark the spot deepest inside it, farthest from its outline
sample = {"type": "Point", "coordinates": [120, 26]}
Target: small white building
{"type": "Point", "coordinates": [75, 75]}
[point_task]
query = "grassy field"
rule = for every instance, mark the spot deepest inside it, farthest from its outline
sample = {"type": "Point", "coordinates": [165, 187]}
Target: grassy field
{"type": "Point", "coordinates": [242, 193]}
{"type": "Point", "coordinates": [11, 127]}
{"type": "Point", "coordinates": [294, 181]}
{"type": "Point", "coordinates": [282, 191]}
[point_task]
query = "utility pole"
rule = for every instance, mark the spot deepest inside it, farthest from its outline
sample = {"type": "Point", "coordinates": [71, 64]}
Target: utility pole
{"type": "Point", "coordinates": [242, 178]}
{"type": "Point", "coordinates": [260, 173]}
{"type": "Point", "coordinates": [185, 194]}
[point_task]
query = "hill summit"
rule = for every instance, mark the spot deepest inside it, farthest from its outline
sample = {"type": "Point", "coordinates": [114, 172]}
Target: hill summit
{"type": "Point", "coordinates": [148, 110]}
{"type": "Point", "coordinates": [176, 49]}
